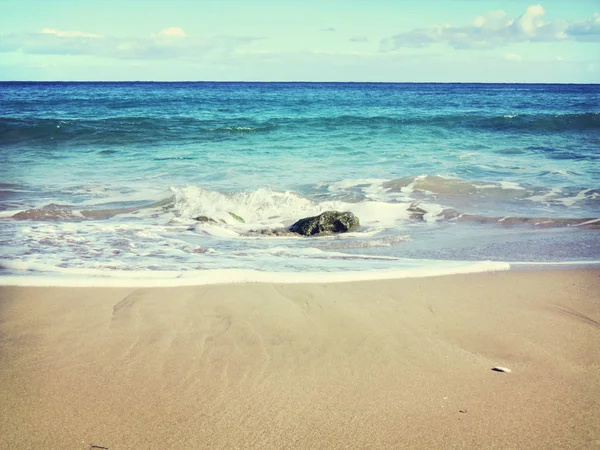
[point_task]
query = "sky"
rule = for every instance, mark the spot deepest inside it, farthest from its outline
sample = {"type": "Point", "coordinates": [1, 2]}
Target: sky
{"type": "Point", "coordinates": [555, 41]}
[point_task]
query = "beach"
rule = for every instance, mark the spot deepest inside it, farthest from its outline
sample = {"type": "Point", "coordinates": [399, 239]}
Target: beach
{"type": "Point", "coordinates": [157, 293]}
{"type": "Point", "coordinates": [372, 364]}
{"type": "Point", "coordinates": [299, 225]}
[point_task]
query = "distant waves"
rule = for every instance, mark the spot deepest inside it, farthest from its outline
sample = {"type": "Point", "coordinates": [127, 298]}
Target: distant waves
{"type": "Point", "coordinates": [110, 131]}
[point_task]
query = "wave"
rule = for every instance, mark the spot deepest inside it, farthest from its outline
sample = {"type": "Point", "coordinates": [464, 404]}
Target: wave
{"type": "Point", "coordinates": [116, 130]}
{"type": "Point", "coordinates": [532, 123]}
{"type": "Point", "coordinates": [450, 188]}
{"type": "Point", "coordinates": [261, 206]}
{"type": "Point", "coordinates": [67, 213]}
{"type": "Point", "coordinates": [245, 210]}
{"type": "Point", "coordinates": [437, 184]}
{"type": "Point", "coordinates": [386, 204]}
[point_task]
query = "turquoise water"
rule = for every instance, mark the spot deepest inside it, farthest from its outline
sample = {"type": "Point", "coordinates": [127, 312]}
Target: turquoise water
{"type": "Point", "coordinates": [435, 172]}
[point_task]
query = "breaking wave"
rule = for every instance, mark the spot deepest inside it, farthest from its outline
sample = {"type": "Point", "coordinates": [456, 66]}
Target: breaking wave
{"type": "Point", "coordinates": [380, 204]}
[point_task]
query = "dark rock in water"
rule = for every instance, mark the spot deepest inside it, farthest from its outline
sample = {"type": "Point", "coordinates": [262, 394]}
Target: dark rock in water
{"type": "Point", "coordinates": [49, 215]}
{"type": "Point", "coordinates": [327, 222]}
{"type": "Point", "coordinates": [55, 211]}
{"type": "Point", "coordinates": [449, 213]}
{"type": "Point", "coordinates": [416, 212]}
{"type": "Point", "coordinates": [270, 232]}
{"type": "Point", "coordinates": [205, 219]}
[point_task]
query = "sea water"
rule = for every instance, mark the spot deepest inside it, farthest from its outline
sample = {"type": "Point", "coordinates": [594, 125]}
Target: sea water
{"type": "Point", "coordinates": [110, 179]}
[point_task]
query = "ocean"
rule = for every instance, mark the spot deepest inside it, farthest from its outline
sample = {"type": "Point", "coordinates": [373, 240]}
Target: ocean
{"type": "Point", "coordinates": [109, 180]}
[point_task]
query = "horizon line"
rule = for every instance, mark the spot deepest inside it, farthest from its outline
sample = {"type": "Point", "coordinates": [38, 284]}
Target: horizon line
{"type": "Point", "coordinates": [298, 82]}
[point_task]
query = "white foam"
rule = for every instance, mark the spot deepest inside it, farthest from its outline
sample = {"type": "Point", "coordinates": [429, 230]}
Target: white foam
{"type": "Point", "coordinates": [581, 195]}
{"type": "Point", "coordinates": [511, 185]}
{"type": "Point", "coordinates": [377, 213]}
{"type": "Point", "coordinates": [554, 263]}
{"type": "Point", "coordinates": [589, 222]}
{"type": "Point", "coordinates": [86, 278]}
{"type": "Point", "coordinates": [9, 189]}
{"type": "Point", "coordinates": [313, 252]}
{"type": "Point", "coordinates": [262, 206]}
{"type": "Point", "coordinates": [34, 267]}
{"type": "Point", "coordinates": [368, 183]}
{"type": "Point", "coordinates": [9, 213]}
{"type": "Point", "coordinates": [545, 198]}
{"type": "Point", "coordinates": [217, 231]}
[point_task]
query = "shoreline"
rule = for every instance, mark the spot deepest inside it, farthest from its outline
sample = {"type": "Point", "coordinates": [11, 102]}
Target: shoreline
{"type": "Point", "coordinates": [157, 279]}
{"type": "Point", "coordinates": [403, 363]}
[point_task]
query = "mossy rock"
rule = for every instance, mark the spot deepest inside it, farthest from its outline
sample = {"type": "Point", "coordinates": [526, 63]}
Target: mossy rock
{"type": "Point", "coordinates": [236, 217]}
{"type": "Point", "coordinates": [205, 219]}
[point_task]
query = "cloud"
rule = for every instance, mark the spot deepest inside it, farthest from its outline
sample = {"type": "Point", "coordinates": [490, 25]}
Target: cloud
{"type": "Point", "coordinates": [169, 43]}
{"type": "Point", "coordinates": [586, 30]}
{"type": "Point", "coordinates": [513, 57]}
{"type": "Point", "coordinates": [497, 29]}
{"type": "Point", "coordinates": [70, 33]}
{"type": "Point", "coordinates": [172, 32]}
{"type": "Point", "coordinates": [359, 39]}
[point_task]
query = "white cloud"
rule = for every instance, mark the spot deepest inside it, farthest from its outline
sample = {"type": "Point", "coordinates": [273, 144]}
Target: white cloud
{"type": "Point", "coordinates": [529, 23]}
{"type": "Point", "coordinates": [166, 44]}
{"type": "Point", "coordinates": [497, 29]}
{"type": "Point", "coordinates": [70, 34]}
{"type": "Point", "coordinates": [172, 32]}
{"type": "Point", "coordinates": [492, 20]}
{"type": "Point", "coordinates": [513, 57]}
{"type": "Point", "coordinates": [479, 22]}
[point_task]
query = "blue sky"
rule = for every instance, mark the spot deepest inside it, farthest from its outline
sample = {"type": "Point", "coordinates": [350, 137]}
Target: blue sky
{"type": "Point", "coordinates": [310, 40]}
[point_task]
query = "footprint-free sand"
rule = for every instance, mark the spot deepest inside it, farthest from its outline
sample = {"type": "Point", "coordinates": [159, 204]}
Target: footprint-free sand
{"type": "Point", "coordinates": [380, 364]}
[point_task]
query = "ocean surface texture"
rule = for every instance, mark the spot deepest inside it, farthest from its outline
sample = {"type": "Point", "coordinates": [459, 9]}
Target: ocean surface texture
{"type": "Point", "coordinates": [176, 179]}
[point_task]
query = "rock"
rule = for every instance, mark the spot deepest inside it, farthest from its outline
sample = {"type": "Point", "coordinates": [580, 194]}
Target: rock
{"type": "Point", "coordinates": [205, 219]}
{"type": "Point", "coordinates": [325, 223]}
{"type": "Point", "coordinates": [416, 212]}
{"type": "Point", "coordinates": [201, 250]}
{"type": "Point", "coordinates": [270, 232]}
{"type": "Point", "coordinates": [50, 215]}
{"type": "Point", "coordinates": [449, 213]}
{"type": "Point", "coordinates": [501, 369]}
{"type": "Point", "coordinates": [236, 217]}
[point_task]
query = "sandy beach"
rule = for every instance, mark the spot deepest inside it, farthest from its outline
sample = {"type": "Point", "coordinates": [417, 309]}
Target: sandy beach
{"type": "Point", "coordinates": [382, 364]}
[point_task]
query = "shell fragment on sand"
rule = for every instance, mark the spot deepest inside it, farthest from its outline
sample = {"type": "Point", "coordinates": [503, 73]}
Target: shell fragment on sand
{"type": "Point", "coordinates": [501, 369]}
